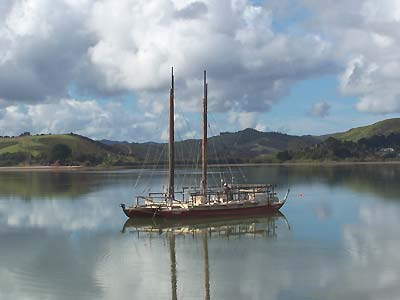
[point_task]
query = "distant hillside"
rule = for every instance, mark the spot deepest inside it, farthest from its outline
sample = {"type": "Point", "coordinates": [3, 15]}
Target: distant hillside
{"type": "Point", "coordinates": [228, 147]}
{"type": "Point", "coordinates": [253, 144]}
{"type": "Point", "coordinates": [42, 149]}
{"type": "Point", "coordinates": [376, 142]}
{"type": "Point", "coordinates": [384, 127]}
{"type": "Point", "coordinates": [249, 145]}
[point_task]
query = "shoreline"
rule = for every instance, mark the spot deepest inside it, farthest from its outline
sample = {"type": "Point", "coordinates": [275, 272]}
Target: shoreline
{"type": "Point", "coordinates": [309, 163]}
{"type": "Point", "coordinates": [288, 164]}
{"type": "Point", "coordinates": [41, 168]}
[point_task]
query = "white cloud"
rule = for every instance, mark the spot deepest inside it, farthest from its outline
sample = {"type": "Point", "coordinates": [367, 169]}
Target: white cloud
{"type": "Point", "coordinates": [105, 48]}
{"type": "Point", "coordinates": [89, 118]}
{"type": "Point", "coordinates": [239, 120]}
{"type": "Point", "coordinates": [320, 109]}
{"type": "Point", "coordinates": [42, 48]}
{"type": "Point", "coordinates": [109, 47]}
{"type": "Point", "coordinates": [243, 119]}
{"type": "Point", "coordinates": [366, 38]}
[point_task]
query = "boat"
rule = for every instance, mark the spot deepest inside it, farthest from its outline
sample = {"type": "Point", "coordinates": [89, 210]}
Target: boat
{"type": "Point", "coordinates": [205, 201]}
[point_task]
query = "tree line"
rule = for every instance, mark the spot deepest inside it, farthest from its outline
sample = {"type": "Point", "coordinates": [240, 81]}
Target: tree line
{"type": "Point", "coordinates": [59, 154]}
{"type": "Point", "coordinates": [377, 147]}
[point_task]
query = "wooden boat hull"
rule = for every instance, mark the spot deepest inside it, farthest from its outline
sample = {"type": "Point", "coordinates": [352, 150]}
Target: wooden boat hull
{"type": "Point", "coordinates": [201, 211]}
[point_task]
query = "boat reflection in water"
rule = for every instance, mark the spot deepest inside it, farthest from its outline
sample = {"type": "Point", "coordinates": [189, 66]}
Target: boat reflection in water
{"type": "Point", "coordinates": [261, 226]}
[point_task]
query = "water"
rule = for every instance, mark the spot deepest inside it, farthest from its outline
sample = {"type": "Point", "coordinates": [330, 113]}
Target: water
{"type": "Point", "coordinates": [63, 236]}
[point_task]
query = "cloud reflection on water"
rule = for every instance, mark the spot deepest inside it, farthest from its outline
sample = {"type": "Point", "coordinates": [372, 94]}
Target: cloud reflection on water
{"type": "Point", "coordinates": [71, 247]}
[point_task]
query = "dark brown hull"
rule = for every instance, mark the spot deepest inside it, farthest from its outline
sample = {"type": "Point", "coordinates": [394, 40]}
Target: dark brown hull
{"type": "Point", "coordinates": [201, 212]}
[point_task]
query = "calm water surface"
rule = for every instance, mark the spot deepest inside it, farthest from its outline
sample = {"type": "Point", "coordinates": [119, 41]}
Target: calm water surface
{"type": "Point", "coordinates": [63, 236]}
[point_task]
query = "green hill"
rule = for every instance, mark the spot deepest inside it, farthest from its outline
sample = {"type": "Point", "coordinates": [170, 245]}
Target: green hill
{"type": "Point", "coordinates": [384, 127]}
{"type": "Point", "coordinates": [377, 142]}
{"type": "Point", "coordinates": [40, 149]}
{"type": "Point", "coordinates": [248, 145]}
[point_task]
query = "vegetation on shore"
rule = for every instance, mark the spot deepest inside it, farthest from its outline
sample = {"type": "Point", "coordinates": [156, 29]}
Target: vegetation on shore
{"type": "Point", "coordinates": [376, 142]}
{"type": "Point", "coordinates": [374, 148]}
{"type": "Point", "coordinates": [59, 149]}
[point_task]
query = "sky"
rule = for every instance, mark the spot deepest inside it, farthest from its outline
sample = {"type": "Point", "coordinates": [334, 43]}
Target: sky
{"type": "Point", "coordinates": [101, 68]}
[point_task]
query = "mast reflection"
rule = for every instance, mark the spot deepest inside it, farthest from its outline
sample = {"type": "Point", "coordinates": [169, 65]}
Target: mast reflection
{"type": "Point", "coordinates": [254, 227]}
{"type": "Point", "coordinates": [172, 255]}
{"type": "Point", "coordinates": [206, 268]}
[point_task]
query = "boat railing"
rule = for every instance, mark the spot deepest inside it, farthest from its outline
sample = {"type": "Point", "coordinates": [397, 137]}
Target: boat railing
{"type": "Point", "coordinates": [232, 186]}
{"type": "Point", "coordinates": [162, 199]}
{"type": "Point", "coordinates": [236, 192]}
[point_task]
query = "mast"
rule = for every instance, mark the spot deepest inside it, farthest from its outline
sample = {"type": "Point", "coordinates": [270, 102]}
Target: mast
{"type": "Point", "coordinates": [204, 139]}
{"type": "Point", "coordinates": [171, 159]}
